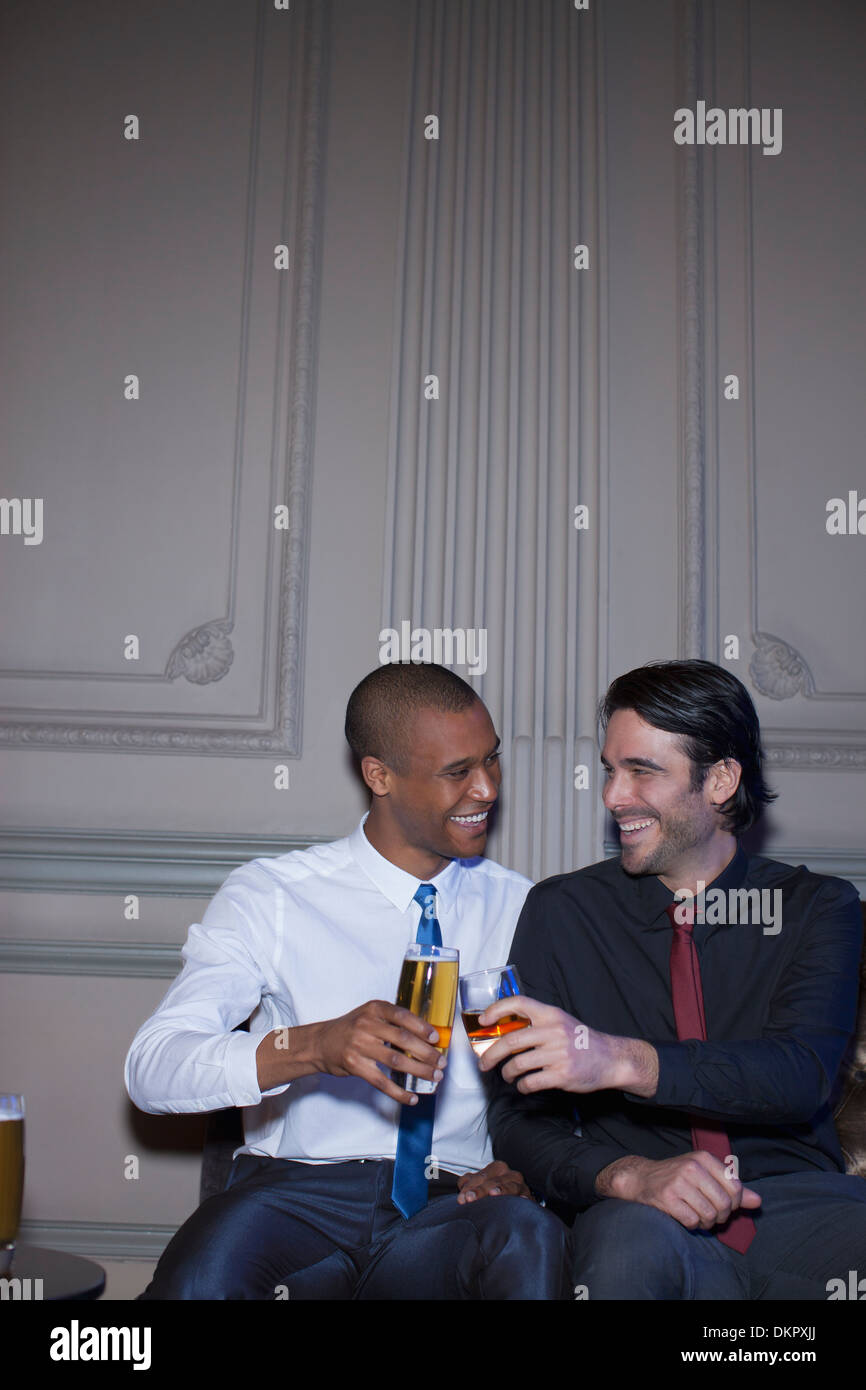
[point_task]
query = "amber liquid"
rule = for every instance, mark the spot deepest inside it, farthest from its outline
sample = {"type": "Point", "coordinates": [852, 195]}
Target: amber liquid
{"type": "Point", "coordinates": [11, 1177]}
{"type": "Point", "coordinates": [482, 1038]}
{"type": "Point", "coordinates": [428, 988]}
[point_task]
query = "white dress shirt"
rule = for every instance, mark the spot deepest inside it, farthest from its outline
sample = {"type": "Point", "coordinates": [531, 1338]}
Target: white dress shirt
{"type": "Point", "coordinates": [302, 938]}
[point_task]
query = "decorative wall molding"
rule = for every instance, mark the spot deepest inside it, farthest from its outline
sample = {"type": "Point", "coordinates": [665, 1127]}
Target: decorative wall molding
{"type": "Point", "coordinates": [818, 752]}
{"type": "Point", "coordinates": [127, 959]}
{"type": "Point", "coordinates": [112, 1240]}
{"type": "Point", "coordinates": [777, 670]}
{"type": "Point", "coordinates": [204, 654]}
{"type": "Point", "coordinates": [132, 861]}
{"type": "Point", "coordinates": [484, 480]}
{"type": "Point", "coordinates": [692, 487]}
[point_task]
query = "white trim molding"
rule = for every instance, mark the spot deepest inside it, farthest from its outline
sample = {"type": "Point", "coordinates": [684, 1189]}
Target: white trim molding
{"type": "Point", "coordinates": [273, 431]}
{"type": "Point", "coordinates": [132, 861]}
{"type": "Point", "coordinates": [112, 1240]}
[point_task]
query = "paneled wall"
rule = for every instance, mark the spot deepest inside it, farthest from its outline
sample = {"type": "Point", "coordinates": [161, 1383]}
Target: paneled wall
{"type": "Point", "coordinates": [304, 379]}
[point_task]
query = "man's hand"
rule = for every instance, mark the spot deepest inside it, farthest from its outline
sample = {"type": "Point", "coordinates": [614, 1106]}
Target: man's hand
{"type": "Point", "coordinates": [693, 1188]}
{"type": "Point", "coordinates": [559, 1052]}
{"type": "Point", "coordinates": [356, 1044]}
{"type": "Point", "coordinates": [494, 1180]}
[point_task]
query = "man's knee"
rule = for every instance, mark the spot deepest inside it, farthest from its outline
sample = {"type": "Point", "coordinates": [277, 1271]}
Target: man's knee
{"type": "Point", "coordinates": [629, 1250]}
{"type": "Point", "coordinates": [210, 1257]}
{"type": "Point", "coordinates": [525, 1248]}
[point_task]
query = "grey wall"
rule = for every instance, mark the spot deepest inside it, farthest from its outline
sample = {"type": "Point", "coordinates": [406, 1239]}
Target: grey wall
{"type": "Point", "coordinates": [259, 386]}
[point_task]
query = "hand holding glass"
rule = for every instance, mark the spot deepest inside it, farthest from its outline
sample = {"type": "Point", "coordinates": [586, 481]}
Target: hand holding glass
{"type": "Point", "coordinates": [428, 989]}
{"type": "Point", "coordinates": [477, 992]}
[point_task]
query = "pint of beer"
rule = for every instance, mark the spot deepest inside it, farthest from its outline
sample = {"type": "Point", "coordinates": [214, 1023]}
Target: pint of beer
{"type": "Point", "coordinates": [428, 988]}
{"type": "Point", "coordinates": [11, 1174]}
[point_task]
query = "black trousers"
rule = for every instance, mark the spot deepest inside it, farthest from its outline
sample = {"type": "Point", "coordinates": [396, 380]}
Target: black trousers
{"type": "Point", "coordinates": [810, 1241]}
{"type": "Point", "coordinates": [329, 1231]}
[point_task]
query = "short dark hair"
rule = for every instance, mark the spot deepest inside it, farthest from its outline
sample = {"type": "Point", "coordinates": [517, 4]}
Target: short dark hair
{"type": "Point", "coordinates": [382, 707]}
{"type": "Point", "coordinates": [713, 713]}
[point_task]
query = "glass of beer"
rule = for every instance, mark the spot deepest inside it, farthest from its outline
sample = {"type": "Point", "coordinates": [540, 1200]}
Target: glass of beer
{"type": "Point", "coordinates": [428, 988]}
{"type": "Point", "coordinates": [11, 1175]}
{"type": "Point", "coordinates": [477, 992]}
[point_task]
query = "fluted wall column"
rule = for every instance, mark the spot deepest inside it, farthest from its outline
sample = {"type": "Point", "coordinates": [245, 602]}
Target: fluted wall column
{"type": "Point", "coordinates": [484, 480]}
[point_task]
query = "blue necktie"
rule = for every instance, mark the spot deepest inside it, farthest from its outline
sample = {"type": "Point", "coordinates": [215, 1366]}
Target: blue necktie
{"type": "Point", "coordinates": [415, 1137]}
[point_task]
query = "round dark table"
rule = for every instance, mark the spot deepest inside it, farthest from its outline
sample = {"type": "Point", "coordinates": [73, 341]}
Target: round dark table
{"type": "Point", "coordinates": [63, 1276]}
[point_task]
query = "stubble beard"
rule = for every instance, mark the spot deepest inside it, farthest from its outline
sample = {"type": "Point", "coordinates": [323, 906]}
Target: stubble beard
{"type": "Point", "coordinates": [677, 836]}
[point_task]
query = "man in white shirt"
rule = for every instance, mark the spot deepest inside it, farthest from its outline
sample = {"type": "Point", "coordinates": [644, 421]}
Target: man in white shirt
{"type": "Point", "coordinates": [335, 1193]}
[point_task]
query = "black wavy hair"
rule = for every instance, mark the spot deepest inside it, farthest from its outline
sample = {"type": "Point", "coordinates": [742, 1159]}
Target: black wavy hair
{"type": "Point", "coordinates": [713, 714]}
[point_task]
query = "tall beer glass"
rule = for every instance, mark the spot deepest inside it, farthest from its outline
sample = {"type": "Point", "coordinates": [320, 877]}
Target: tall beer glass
{"type": "Point", "coordinates": [428, 988]}
{"type": "Point", "coordinates": [11, 1174]}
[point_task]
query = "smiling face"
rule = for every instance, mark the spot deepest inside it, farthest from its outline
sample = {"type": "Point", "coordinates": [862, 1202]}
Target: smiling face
{"type": "Point", "coordinates": [665, 827]}
{"type": "Point", "coordinates": [437, 808]}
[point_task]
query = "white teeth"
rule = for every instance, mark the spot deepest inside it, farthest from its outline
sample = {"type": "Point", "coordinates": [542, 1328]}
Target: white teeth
{"type": "Point", "coordinates": [469, 820]}
{"type": "Point", "coordinates": [629, 826]}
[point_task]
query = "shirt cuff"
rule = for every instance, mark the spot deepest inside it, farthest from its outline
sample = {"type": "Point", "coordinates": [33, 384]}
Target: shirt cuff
{"type": "Point", "coordinates": [676, 1083]}
{"type": "Point", "coordinates": [242, 1081]}
{"type": "Point", "coordinates": [574, 1182]}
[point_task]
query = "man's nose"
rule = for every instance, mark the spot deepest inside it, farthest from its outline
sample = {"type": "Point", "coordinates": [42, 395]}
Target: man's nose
{"type": "Point", "coordinates": [485, 786]}
{"type": "Point", "coordinates": [613, 791]}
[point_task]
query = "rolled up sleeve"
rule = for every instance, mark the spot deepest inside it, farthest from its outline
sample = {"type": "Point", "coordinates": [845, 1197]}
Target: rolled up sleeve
{"type": "Point", "coordinates": [187, 1057]}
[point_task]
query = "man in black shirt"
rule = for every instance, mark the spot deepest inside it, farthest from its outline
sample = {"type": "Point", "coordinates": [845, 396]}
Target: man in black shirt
{"type": "Point", "coordinates": [699, 1003]}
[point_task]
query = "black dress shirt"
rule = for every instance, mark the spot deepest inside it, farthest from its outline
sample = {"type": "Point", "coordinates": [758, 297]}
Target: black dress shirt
{"type": "Point", "coordinates": [780, 1007]}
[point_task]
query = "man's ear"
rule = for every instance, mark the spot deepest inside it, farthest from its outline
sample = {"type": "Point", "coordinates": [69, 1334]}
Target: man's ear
{"type": "Point", "coordinates": [377, 775]}
{"type": "Point", "coordinates": [723, 779]}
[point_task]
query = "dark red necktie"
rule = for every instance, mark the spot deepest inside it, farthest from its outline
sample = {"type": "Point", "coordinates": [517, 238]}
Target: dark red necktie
{"type": "Point", "coordinates": [688, 1001]}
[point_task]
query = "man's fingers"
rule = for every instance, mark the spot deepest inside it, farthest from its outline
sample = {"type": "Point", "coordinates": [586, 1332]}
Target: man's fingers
{"type": "Point", "coordinates": [686, 1213]}
{"type": "Point", "coordinates": [537, 1081]}
{"type": "Point", "coordinates": [521, 1040]}
{"type": "Point", "coordinates": [708, 1212]}
{"type": "Point", "coordinates": [399, 1062]}
{"type": "Point", "coordinates": [408, 1042]}
{"type": "Point", "coordinates": [486, 1187]}
{"type": "Point", "coordinates": [740, 1196]}
{"type": "Point", "coordinates": [388, 1087]}
{"type": "Point", "coordinates": [714, 1166]}
{"type": "Point", "coordinates": [399, 1017]}
{"type": "Point", "coordinates": [503, 1187]}
{"type": "Point", "coordinates": [722, 1192]}
{"type": "Point", "coordinates": [516, 1004]}
{"type": "Point", "coordinates": [494, 1180]}
{"type": "Point", "coordinates": [537, 1059]}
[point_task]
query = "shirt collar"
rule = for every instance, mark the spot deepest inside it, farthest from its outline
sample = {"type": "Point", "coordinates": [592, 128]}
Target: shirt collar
{"type": "Point", "coordinates": [393, 882]}
{"type": "Point", "coordinates": [655, 898]}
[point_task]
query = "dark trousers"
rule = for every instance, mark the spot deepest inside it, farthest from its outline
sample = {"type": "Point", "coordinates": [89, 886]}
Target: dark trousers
{"type": "Point", "coordinates": [810, 1229]}
{"type": "Point", "coordinates": [329, 1231]}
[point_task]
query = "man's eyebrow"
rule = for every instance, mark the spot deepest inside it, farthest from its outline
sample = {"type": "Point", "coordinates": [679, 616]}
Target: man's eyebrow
{"type": "Point", "coordinates": [461, 762]}
{"type": "Point", "coordinates": [636, 762]}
